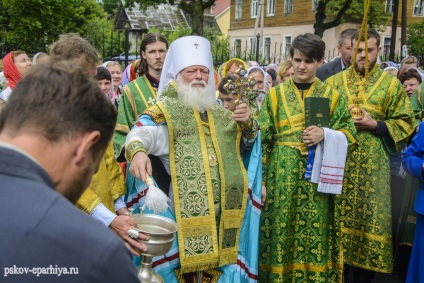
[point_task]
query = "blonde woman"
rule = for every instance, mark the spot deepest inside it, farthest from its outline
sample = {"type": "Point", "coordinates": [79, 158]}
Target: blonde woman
{"type": "Point", "coordinates": [285, 72]}
{"type": "Point", "coordinates": [115, 70]}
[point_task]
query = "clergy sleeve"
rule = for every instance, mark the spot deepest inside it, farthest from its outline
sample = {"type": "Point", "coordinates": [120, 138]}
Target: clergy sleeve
{"type": "Point", "coordinates": [154, 140]}
{"type": "Point", "coordinates": [267, 126]}
{"type": "Point", "coordinates": [88, 201]}
{"type": "Point", "coordinates": [115, 175]}
{"type": "Point", "coordinates": [124, 123]}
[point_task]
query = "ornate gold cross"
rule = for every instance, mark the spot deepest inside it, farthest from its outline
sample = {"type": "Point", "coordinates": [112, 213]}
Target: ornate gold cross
{"type": "Point", "coordinates": [241, 86]}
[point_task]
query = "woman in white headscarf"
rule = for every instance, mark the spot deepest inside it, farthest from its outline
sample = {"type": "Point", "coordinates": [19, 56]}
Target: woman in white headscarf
{"type": "Point", "coordinates": [258, 74]}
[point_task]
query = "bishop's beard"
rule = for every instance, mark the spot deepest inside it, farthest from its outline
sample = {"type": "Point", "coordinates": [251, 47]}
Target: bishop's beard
{"type": "Point", "coordinates": [199, 98]}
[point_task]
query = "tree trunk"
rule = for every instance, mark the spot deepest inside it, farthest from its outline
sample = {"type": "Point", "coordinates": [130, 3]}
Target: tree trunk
{"type": "Point", "coordinates": [197, 18]}
{"type": "Point", "coordinates": [320, 16]}
{"type": "Point", "coordinates": [320, 26]}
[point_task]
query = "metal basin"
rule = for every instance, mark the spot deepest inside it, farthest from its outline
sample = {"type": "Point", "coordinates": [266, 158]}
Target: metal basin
{"type": "Point", "coordinates": [161, 231]}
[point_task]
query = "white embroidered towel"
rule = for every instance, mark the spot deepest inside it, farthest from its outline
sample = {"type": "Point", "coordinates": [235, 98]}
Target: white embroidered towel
{"type": "Point", "coordinates": [329, 162]}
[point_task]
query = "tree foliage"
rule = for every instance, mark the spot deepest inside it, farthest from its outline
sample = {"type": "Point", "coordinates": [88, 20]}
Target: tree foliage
{"type": "Point", "coordinates": [219, 44]}
{"type": "Point", "coordinates": [331, 13]}
{"type": "Point", "coordinates": [415, 38]}
{"type": "Point", "coordinates": [194, 8]}
{"type": "Point", "coordinates": [31, 25]}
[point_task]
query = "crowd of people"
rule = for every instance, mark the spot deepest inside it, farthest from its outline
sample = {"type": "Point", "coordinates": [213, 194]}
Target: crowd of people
{"type": "Point", "coordinates": [259, 193]}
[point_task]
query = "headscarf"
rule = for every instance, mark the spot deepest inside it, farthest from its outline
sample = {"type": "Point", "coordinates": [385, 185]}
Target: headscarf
{"type": "Point", "coordinates": [252, 64]}
{"type": "Point", "coordinates": [105, 64]}
{"type": "Point", "coordinates": [130, 72]}
{"type": "Point", "coordinates": [262, 95]}
{"type": "Point", "coordinates": [228, 64]}
{"type": "Point", "coordinates": [10, 71]}
{"type": "Point", "coordinates": [184, 52]}
{"type": "Point", "coordinates": [41, 54]}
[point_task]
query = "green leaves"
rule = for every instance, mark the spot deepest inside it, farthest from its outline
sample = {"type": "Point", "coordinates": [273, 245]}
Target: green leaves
{"type": "Point", "coordinates": [415, 38]}
{"type": "Point", "coordinates": [31, 24]}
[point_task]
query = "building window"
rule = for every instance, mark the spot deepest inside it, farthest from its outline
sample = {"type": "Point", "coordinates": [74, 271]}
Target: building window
{"type": "Point", "coordinates": [386, 47]}
{"type": "Point", "coordinates": [254, 9]}
{"type": "Point", "coordinates": [270, 8]}
{"type": "Point", "coordinates": [288, 6]}
{"type": "Point", "coordinates": [267, 48]}
{"type": "Point", "coordinates": [287, 41]}
{"type": "Point", "coordinates": [239, 10]}
{"type": "Point", "coordinates": [418, 7]}
{"type": "Point", "coordinates": [314, 5]}
{"type": "Point", "coordinates": [251, 46]}
{"type": "Point", "coordinates": [389, 6]}
{"type": "Point", "coordinates": [237, 47]}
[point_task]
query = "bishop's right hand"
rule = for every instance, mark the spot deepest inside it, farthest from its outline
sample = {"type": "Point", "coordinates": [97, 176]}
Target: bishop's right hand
{"type": "Point", "coordinates": [141, 167]}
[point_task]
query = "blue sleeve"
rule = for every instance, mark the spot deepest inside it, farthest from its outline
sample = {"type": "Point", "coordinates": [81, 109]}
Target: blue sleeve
{"type": "Point", "coordinates": [413, 156]}
{"type": "Point", "coordinates": [146, 120]}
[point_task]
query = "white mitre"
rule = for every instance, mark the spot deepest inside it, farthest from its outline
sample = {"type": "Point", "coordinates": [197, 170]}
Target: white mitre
{"type": "Point", "coordinates": [184, 52]}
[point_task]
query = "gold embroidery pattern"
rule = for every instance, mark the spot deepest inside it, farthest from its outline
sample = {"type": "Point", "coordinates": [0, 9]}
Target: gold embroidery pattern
{"type": "Point", "coordinates": [201, 191]}
{"type": "Point", "coordinates": [155, 113]}
{"type": "Point", "coordinates": [298, 239]}
{"type": "Point", "coordinates": [362, 207]}
{"type": "Point", "coordinates": [133, 148]}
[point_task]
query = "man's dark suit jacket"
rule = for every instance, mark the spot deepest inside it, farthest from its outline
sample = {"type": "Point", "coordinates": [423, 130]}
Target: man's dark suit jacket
{"type": "Point", "coordinates": [328, 69]}
{"type": "Point", "coordinates": [39, 228]}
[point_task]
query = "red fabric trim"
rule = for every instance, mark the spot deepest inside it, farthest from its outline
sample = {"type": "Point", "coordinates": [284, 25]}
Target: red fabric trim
{"type": "Point", "coordinates": [123, 166]}
{"type": "Point", "coordinates": [165, 259]}
{"type": "Point", "coordinates": [332, 166]}
{"type": "Point", "coordinates": [244, 267]}
{"type": "Point", "coordinates": [335, 175]}
{"type": "Point", "coordinates": [254, 203]}
{"type": "Point", "coordinates": [330, 181]}
{"type": "Point", "coordinates": [139, 196]}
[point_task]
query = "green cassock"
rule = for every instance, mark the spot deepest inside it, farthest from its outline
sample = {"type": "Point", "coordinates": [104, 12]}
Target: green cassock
{"type": "Point", "coordinates": [364, 207]}
{"type": "Point", "coordinates": [298, 236]}
{"type": "Point", "coordinates": [137, 96]}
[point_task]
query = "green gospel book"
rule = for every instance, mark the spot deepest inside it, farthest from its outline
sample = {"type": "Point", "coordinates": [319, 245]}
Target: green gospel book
{"type": "Point", "coordinates": [317, 111]}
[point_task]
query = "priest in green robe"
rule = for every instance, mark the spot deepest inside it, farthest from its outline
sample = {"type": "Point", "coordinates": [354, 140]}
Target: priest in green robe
{"type": "Point", "coordinates": [384, 120]}
{"type": "Point", "coordinates": [140, 93]}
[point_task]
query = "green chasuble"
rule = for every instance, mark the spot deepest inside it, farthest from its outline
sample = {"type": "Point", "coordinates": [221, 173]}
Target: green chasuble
{"type": "Point", "coordinates": [298, 237]}
{"type": "Point", "coordinates": [364, 207]}
{"type": "Point", "coordinates": [417, 102]}
{"type": "Point", "coordinates": [137, 96]}
{"type": "Point", "coordinates": [209, 182]}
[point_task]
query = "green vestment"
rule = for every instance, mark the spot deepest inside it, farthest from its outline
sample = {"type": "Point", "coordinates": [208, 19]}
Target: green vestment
{"type": "Point", "coordinates": [137, 96]}
{"type": "Point", "coordinates": [209, 181]}
{"type": "Point", "coordinates": [298, 237]}
{"type": "Point", "coordinates": [417, 100]}
{"type": "Point", "coordinates": [364, 207]}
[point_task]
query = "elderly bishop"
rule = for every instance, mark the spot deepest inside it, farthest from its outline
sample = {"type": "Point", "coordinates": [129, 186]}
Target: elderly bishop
{"type": "Point", "coordinates": [201, 144]}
